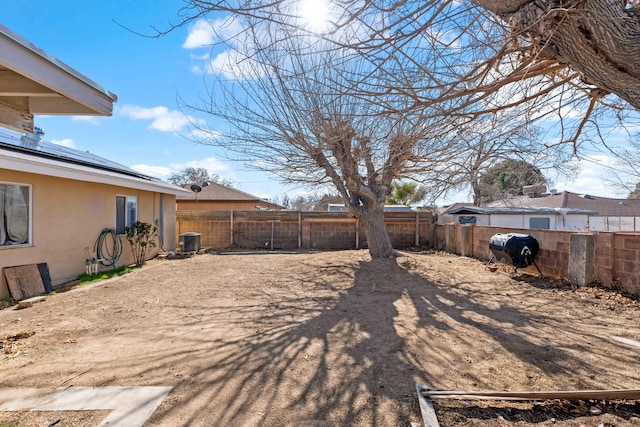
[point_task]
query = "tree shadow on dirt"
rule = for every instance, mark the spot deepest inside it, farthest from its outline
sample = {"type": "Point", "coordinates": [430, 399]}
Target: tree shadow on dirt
{"type": "Point", "coordinates": [351, 354]}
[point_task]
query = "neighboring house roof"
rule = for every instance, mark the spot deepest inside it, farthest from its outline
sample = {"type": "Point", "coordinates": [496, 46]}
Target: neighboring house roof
{"type": "Point", "coordinates": [445, 210]}
{"type": "Point", "coordinates": [217, 192]}
{"type": "Point", "coordinates": [340, 207]}
{"type": "Point", "coordinates": [477, 210]}
{"type": "Point", "coordinates": [604, 206]}
{"type": "Point", "coordinates": [34, 82]}
{"type": "Point", "coordinates": [28, 154]}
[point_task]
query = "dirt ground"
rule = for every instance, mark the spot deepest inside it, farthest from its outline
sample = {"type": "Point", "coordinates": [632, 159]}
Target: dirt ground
{"type": "Point", "coordinates": [329, 339]}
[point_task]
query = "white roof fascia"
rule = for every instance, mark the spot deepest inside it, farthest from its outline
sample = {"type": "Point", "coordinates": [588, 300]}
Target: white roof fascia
{"type": "Point", "coordinates": [30, 164]}
{"type": "Point", "coordinates": [27, 60]}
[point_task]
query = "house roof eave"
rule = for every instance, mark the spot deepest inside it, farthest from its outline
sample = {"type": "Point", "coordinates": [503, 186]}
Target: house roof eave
{"type": "Point", "coordinates": [34, 82]}
{"type": "Point", "coordinates": [44, 166]}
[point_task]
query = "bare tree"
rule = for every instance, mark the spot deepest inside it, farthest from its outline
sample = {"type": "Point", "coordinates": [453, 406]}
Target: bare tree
{"type": "Point", "coordinates": [192, 175]}
{"type": "Point", "coordinates": [283, 101]}
{"type": "Point", "coordinates": [625, 174]}
{"type": "Point", "coordinates": [598, 39]}
{"type": "Point", "coordinates": [508, 178]}
{"type": "Point", "coordinates": [489, 141]}
{"type": "Point", "coordinates": [379, 92]}
{"type": "Point", "coordinates": [315, 202]}
{"type": "Point", "coordinates": [549, 55]}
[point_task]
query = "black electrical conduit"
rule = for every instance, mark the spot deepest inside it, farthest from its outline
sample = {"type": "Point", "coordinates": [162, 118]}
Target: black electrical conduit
{"type": "Point", "coordinates": [108, 251]}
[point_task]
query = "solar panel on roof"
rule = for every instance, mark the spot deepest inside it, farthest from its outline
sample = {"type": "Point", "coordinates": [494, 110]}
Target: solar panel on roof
{"type": "Point", "coordinates": [32, 144]}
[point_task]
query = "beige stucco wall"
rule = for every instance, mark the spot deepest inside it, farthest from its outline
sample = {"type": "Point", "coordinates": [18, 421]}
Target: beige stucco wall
{"type": "Point", "coordinates": [68, 216]}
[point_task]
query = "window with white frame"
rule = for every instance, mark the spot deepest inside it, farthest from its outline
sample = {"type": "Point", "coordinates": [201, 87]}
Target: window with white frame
{"type": "Point", "coordinates": [126, 212]}
{"type": "Point", "coordinates": [15, 214]}
{"type": "Point", "coordinates": [539, 223]}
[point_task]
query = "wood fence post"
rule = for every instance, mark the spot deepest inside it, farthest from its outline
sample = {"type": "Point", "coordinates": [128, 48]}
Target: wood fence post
{"type": "Point", "coordinates": [299, 229]}
{"type": "Point", "coordinates": [231, 226]}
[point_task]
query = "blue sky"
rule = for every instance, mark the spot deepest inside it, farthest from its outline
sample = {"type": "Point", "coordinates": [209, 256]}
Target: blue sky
{"type": "Point", "coordinates": [148, 75]}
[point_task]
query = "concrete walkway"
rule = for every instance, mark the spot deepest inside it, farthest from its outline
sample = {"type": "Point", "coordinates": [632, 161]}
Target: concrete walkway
{"type": "Point", "coordinates": [131, 406]}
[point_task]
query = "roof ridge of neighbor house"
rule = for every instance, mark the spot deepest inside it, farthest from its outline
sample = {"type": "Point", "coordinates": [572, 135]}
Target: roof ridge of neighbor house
{"type": "Point", "coordinates": [217, 190]}
{"type": "Point", "coordinates": [520, 209]}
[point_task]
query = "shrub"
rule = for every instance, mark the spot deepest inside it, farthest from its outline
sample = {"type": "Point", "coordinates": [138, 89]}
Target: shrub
{"type": "Point", "coordinates": [141, 236]}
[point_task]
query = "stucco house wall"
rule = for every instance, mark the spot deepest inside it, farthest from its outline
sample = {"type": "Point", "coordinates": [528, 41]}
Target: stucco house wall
{"type": "Point", "coordinates": [67, 217]}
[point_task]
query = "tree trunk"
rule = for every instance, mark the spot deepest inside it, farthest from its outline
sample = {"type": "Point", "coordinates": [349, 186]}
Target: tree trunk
{"type": "Point", "coordinates": [477, 193]}
{"type": "Point", "coordinates": [598, 38]}
{"type": "Point", "coordinates": [372, 216]}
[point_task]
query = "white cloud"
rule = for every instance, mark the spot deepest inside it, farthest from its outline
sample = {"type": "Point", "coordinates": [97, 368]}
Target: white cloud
{"type": "Point", "coordinates": [628, 127]}
{"type": "Point", "coordinates": [203, 134]}
{"type": "Point", "coordinates": [592, 178]}
{"type": "Point", "coordinates": [213, 165]}
{"type": "Point", "coordinates": [225, 63]}
{"type": "Point", "coordinates": [157, 171]}
{"type": "Point", "coordinates": [161, 118]}
{"type": "Point", "coordinates": [201, 33]}
{"type": "Point", "coordinates": [204, 33]}
{"type": "Point", "coordinates": [203, 57]}
{"type": "Point", "coordinates": [443, 38]}
{"type": "Point", "coordinates": [67, 142]}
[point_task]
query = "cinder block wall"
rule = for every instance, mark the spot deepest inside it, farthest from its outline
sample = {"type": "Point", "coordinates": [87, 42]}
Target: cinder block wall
{"type": "Point", "coordinates": [626, 262]}
{"type": "Point", "coordinates": [329, 235]}
{"type": "Point", "coordinates": [262, 234]}
{"type": "Point", "coordinates": [604, 255]}
{"type": "Point", "coordinates": [554, 251]}
{"type": "Point", "coordinates": [616, 255]}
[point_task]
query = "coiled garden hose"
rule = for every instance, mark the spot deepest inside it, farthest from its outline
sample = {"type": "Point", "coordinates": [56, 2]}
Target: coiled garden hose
{"type": "Point", "coordinates": [108, 251]}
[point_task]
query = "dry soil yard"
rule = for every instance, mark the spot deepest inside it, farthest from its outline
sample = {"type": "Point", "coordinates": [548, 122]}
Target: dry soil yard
{"type": "Point", "coordinates": [327, 339]}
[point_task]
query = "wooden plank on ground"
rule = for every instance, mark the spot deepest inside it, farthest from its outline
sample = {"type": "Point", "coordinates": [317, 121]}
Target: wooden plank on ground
{"type": "Point", "coordinates": [24, 281]}
{"type": "Point", "coordinates": [629, 394]}
{"type": "Point", "coordinates": [46, 277]}
{"type": "Point", "coordinates": [426, 408]}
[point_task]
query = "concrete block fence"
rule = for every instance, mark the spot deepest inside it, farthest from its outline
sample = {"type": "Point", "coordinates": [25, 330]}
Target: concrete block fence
{"type": "Point", "coordinates": [609, 259]}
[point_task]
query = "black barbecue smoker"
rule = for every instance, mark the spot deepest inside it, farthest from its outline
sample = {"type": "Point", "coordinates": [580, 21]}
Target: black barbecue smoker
{"type": "Point", "coordinates": [519, 250]}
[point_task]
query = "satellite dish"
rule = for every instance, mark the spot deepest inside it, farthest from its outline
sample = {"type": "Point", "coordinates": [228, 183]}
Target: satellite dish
{"type": "Point", "coordinates": [205, 184]}
{"type": "Point", "coordinates": [196, 188]}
